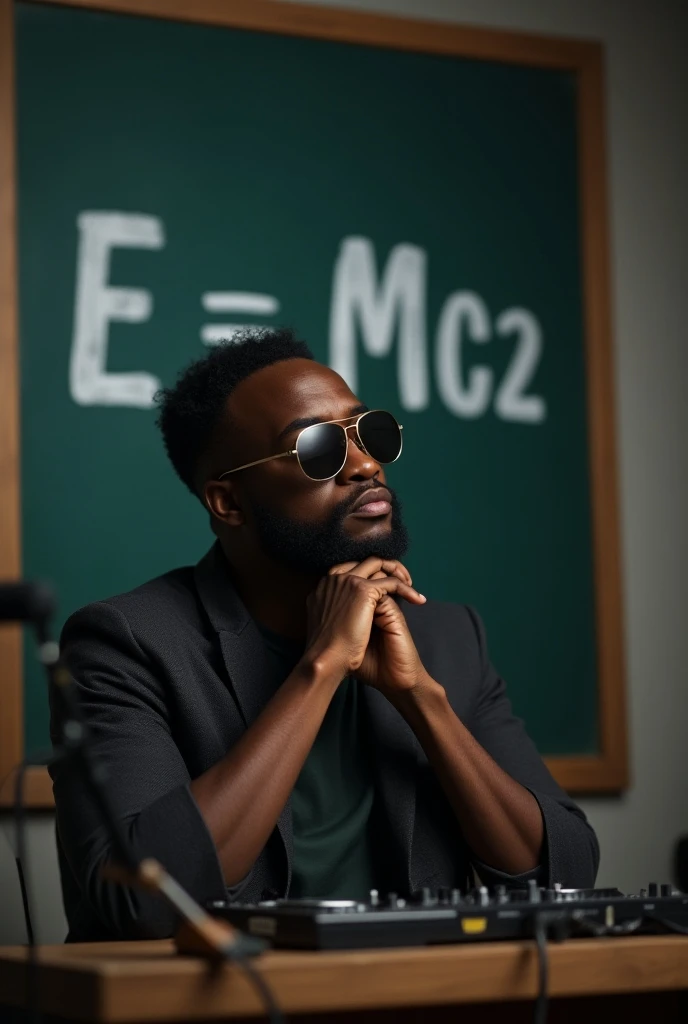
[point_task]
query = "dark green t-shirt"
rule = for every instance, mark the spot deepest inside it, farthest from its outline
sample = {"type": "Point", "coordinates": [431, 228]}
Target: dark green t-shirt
{"type": "Point", "coordinates": [333, 795]}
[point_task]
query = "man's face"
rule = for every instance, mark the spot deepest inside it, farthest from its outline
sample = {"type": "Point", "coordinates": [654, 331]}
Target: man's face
{"type": "Point", "coordinates": [306, 524]}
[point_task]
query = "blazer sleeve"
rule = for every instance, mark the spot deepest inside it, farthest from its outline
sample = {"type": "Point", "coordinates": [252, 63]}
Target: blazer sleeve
{"type": "Point", "coordinates": [570, 850]}
{"type": "Point", "coordinates": [123, 702]}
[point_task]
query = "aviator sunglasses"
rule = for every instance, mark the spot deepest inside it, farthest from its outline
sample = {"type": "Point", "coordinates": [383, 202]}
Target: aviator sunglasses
{"type": "Point", "coordinates": [321, 449]}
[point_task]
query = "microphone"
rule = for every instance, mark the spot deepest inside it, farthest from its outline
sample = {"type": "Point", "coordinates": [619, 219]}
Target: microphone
{"type": "Point", "coordinates": [24, 601]}
{"type": "Point", "coordinates": [34, 602]}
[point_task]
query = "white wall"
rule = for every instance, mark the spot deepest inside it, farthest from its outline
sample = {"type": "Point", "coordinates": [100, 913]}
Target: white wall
{"type": "Point", "coordinates": [648, 170]}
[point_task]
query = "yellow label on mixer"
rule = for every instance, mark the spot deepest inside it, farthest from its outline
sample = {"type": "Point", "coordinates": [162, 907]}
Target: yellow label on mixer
{"type": "Point", "coordinates": [473, 925]}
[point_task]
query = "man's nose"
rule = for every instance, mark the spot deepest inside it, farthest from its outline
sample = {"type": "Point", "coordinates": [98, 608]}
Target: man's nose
{"type": "Point", "coordinates": [359, 465]}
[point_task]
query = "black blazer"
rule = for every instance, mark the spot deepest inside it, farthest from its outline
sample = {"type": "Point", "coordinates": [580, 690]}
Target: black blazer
{"type": "Point", "coordinates": [171, 674]}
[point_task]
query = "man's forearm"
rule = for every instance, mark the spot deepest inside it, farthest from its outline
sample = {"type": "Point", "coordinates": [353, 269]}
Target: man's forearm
{"type": "Point", "coordinates": [241, 797]}
{"type": "Point", "coordinates": [500, 819]}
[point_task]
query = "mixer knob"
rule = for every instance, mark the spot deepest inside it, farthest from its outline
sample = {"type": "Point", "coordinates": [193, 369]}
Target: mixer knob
{"type": "Point", "coordinates": [642, 894]}
{"type": "Point", "coordinates": [444, 894]}
{"type": "Point", "coordinates": [455, 897]}
{"type": "Point", "coordinates": [501, 894]}
{"type": "Point", "coordinates": [652, 890]}
{"type": "Point", "coordinates": [533, 891]}
{"type": "Point", "coordinates": [392, 899]}
{"type": "Point", "coordinates": [483, 896]}
{"type": "Point", "coordinates": [666, 889]}
{"type": "Point", "coordinates": [374, 898]}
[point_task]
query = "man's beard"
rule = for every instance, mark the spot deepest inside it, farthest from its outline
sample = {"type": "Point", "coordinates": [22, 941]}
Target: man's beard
{"type": "Point", "coordinates": [313, 548]}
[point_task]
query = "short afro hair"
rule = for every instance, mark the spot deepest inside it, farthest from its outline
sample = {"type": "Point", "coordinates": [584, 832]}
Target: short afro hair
{"type": "Point", "coordinates": [190, 410]}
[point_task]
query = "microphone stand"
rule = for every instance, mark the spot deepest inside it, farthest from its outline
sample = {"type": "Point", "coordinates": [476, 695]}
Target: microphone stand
{"type": "Point", "coordinates": [199, 933]}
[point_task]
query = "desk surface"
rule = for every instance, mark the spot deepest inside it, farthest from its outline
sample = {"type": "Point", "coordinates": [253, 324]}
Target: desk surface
{"type": "Point", "coordinates": [117, 982]}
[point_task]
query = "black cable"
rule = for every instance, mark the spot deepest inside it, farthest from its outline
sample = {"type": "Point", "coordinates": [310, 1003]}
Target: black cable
{"type": "Point", "coordinates": [262, 988]}
{"type": "Point", "coordinates": [31, 993]}
{"type": "Point", "coordinates": [669, 925]}
{"type": "Point", "coordinates": [25, 901]}
{"type": "Point", "coordinates": [583, 926]}
{"type": "Point", "coordinates": [21, 857]}
{"type": "Point", "coordinates": [586, 927]}
{"type": "Point", "coordinates": [540, 1013]}
{"type": "Point", "coordinates": [626, 927]}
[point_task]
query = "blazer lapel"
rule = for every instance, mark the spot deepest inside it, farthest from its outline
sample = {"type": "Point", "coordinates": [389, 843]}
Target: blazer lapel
{"type": "Point", "coordinates": [251, 676]}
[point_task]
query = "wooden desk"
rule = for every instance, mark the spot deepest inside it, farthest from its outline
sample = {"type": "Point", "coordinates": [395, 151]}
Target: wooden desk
{"type": "Point", "coordinates": [121, 983]}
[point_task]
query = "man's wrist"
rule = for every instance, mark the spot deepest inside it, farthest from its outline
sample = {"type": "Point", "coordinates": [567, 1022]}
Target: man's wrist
{"type": "Point", "coordinates": [320, 668]}
{"type": "Point", "coordinates": [426, 698]}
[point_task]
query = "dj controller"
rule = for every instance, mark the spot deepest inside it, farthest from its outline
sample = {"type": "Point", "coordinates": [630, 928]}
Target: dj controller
{"type": "Point", "coordinates": [449, 915]}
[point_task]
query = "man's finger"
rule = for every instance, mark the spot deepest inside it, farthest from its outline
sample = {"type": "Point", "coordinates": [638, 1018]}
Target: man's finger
{"type": "Point", "coordinates": [372, 565]}
{"type": "Point", "coordinates": [392, 585]}
{"type": "Point", "coordinates": [343, 567]}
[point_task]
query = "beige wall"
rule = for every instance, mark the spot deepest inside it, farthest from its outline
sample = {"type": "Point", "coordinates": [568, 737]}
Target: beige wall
{"type": "Point", "coordinates": [648, 168]}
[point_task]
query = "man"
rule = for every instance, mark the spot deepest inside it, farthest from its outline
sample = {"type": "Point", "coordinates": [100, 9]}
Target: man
{"type": "Point", "coordinates": [292, 716]}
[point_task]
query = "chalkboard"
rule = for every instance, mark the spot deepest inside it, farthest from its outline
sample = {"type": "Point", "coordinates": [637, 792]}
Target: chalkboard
{"type": "Point", "coordinates": [418, 214]}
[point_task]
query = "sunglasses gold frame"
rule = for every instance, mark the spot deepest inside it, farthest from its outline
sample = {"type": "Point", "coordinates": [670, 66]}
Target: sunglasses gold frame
{"type": "Point", "coordinates": [357, 441]}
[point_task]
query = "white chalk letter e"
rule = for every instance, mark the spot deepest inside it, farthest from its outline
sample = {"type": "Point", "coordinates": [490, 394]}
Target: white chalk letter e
{"type": "Point", "coordinates": [96, 304]}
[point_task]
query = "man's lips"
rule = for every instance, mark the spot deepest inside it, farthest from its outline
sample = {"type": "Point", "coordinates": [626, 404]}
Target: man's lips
{"type": "Point", "coordinates": [372, 508]}
{"type": "Point", "coordinates": [375, 502]}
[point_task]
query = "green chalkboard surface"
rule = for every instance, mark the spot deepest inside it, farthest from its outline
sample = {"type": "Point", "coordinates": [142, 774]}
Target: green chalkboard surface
{"type": "Point", "coordinates": [414, 215]}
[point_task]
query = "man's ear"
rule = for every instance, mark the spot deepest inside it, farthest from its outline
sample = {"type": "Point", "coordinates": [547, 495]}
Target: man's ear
{"type": "Point", "coordinates": [222, 500]}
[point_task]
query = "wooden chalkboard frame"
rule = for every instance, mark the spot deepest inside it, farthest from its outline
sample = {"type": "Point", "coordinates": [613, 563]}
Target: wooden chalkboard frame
{"type": "Point", "coordinates": [607, 771]}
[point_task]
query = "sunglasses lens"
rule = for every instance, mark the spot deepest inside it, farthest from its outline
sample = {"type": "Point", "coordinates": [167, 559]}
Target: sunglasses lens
{"type": "Point", "coordinates": [322, 450]}
{"type": "Point", "coordinates": [380, 435]}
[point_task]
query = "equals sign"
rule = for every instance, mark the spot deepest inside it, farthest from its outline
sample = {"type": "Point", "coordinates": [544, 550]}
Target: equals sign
{"type": "Point", "coordinates": [243, 303]}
